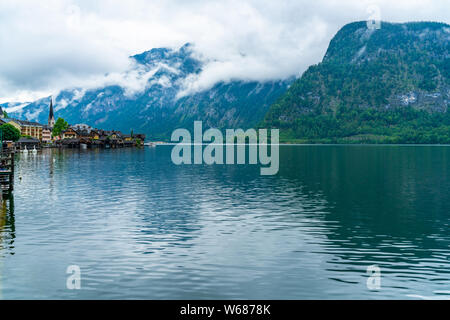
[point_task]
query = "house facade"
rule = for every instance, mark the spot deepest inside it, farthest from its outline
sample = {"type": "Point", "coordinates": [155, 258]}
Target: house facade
{"type": "Point", "coordinates": [46, 134]}
{"type": "Point", "coordinates": [32, 129]}
{"type": "Point", "coordinates": [69, 134]}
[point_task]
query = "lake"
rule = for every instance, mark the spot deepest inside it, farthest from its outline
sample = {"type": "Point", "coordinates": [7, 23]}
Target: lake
{"type": "Point", "coordinates": [140, 227]}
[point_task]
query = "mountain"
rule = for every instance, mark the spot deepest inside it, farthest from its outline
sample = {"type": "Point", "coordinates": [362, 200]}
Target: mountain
{"type": "Point", "coordinates": [386, 85]}
{"type": "Point", "coordinates": [13, 106]}
{"type": "Point", "coordinates": [146, 98]}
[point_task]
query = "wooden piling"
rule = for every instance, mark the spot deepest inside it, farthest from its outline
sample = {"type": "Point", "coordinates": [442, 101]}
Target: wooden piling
{"type": "Point", "coordinates": [7, 171]}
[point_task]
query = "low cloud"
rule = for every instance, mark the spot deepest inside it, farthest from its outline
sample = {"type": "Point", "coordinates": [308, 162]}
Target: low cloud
{"type": "Point", "coordinates": [50, 45]}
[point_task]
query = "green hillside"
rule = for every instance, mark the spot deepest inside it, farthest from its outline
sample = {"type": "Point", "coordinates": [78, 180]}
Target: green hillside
{"type": "Point", "coordinates": [389, 85]}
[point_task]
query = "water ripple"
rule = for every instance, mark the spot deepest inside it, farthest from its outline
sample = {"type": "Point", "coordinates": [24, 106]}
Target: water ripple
{"type": "Point", "coordinates": [140, 227]}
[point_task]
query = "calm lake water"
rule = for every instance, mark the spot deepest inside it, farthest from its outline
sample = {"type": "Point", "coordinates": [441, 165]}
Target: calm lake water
{"type": "Point", "coordinates": [140, 227]}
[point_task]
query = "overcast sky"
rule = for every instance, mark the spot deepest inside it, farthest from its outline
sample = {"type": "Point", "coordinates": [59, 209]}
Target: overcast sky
{"type": "Point", "coordinates": [49, 45]}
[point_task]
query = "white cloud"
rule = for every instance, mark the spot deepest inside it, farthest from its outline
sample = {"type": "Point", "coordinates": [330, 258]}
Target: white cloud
{"type": "Point", "coordinates": [49, 45]}
{"type": "Point", "coordinates": [33, 115]}
{"type": "Point", "coordinates": [16, 107]}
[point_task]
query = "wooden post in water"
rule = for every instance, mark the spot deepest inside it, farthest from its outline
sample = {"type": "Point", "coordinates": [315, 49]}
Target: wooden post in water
{"type": "Point", "coordinates": [6, 171]}
{"type": "Point", "coordinates": [11, 176]}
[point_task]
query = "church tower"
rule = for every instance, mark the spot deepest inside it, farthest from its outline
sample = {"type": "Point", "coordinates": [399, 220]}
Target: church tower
{"type": "Point", "coordinates": [51, 117]}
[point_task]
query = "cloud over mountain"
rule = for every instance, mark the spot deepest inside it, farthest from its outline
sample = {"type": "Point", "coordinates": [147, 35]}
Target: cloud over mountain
{"type": "Point", "coordinates": [50, 45]}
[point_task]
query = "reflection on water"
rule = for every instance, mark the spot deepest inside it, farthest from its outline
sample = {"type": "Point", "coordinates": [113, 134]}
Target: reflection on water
{"type": "Point", "coordinates": [7, 231]}
{"type": "Point", "coordinates": [140, 227]}
{"type": "Point", "coordinates": [7, 227]}
{"type": "Point", "coordinates": [391, 207]}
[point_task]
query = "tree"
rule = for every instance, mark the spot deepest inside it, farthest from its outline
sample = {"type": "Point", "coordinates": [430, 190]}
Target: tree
{"type": "Point", "coordinates": [10, 132]}
{"type": "Point", "coordinates": [138, 142]}
{"type": "Point", "coordinates": [60, 125]}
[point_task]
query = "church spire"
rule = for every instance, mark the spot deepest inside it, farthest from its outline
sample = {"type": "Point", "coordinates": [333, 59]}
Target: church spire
{"type": "Point", "coordinates": [51, 117]}
{"type": "Point", "coordinates": [51, 108]}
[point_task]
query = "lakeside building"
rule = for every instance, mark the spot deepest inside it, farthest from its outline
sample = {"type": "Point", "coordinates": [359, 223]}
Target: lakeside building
{"type": "Point", "coordinates": [139, 136]}
{"type": "Point", "coordinates": [26, 128]}
{"type": "Point", "coordinates": [28, 143]}
{"type": "Point", "coordinates": [69, 134]}
{"type": "Point", "coordinates": [46, 134]}
{"type": "Point", "coordinates": [32, 129]}
{"type": "Point", "coordinates": [85, 131]}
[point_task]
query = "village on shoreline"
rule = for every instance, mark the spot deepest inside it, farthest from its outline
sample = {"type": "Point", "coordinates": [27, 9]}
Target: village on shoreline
{"type": "Point", "coordinates": [60, 134]}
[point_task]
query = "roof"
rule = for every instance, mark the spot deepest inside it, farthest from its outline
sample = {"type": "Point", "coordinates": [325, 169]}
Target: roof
{"type": "Point", "coordinates": [84, 130]}
{"type": "Point", "coordinates": [23, 123]}
{"type": "Point", "coordinates": [82, 127]}
{"type": "Point", "coordinates": [28, 140]}
{"type": "Point", "coordinates": [68, 141]}
{"type": "Point", "coordinates": [30, 123]}
{"type": "Point", "coordinates": [7, 120]}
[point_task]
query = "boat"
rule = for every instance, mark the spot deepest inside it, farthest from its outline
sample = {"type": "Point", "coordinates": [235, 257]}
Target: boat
{"type": "Point", "coordinates": [24, 150]}
{"type": "Point", "coordinates": [150, 144]}
{"type": "Point", "coordinates": [34, 150]}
